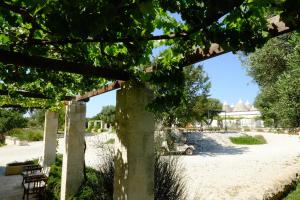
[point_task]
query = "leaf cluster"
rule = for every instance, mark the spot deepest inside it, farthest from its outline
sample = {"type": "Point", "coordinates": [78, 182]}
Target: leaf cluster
{"type": "Point", "coordinates": [275, 67]}
{"type": "Point", "coordinates": [120, 35]}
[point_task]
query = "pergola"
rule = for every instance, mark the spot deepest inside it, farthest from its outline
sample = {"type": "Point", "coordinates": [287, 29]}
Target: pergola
{"type": "Point", "coordinates": [134, 159]}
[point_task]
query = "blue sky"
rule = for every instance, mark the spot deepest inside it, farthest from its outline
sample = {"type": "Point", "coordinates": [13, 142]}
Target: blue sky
{"type": "Point", "coordinates": [227, 75]}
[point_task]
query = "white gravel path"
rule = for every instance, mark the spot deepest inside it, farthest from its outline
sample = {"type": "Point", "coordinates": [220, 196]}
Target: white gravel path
{"type": "Point", "coordinates": [220, 171]}
{"type": "Point", "coordinates": [239, 172]}
{"type": "Point", "coordinates": [12, 153]}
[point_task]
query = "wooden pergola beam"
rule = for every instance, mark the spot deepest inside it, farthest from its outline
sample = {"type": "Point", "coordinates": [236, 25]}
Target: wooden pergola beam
{"type": "Point", "coordinates": [275, 28]}
{"type": "Point", "coordinates": [34, 95]}
{"type": "Point", "coordinates": [20, 106]}
{"type": "Point", "coordinates": [22, 59]}
{"type": "Point", "coordinates": [107, 88]}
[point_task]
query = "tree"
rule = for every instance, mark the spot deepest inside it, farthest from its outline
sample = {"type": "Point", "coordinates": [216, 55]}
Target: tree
{"type": "Point", "coordinates": [10, 119]}
{"type": "Point", "coordinates": [205, 109]}
{"type": "Point", "coordinates": [177, 108]}
{"type": "Point", "coordinates": [276, 69]}
{"type": "Point", "coordinates": [107, 115]}
{"type": "Point", "coordinates": [37, 118]}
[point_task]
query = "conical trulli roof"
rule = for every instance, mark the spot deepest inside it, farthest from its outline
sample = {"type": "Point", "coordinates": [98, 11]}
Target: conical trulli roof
{"type": "Point", "coordinates": [240, 107]}
{"type": "Point", "coordinates": [226, 107]}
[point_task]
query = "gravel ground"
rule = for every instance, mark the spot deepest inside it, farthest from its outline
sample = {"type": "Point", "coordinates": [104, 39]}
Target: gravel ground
{"type": "Point", "coordinates": [12, 153]}
{"type": "Point", "coordinates": [221, 170]}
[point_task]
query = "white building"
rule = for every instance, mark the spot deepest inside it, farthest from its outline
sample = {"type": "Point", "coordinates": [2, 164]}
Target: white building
{"type": "Point", "coordinates": [241, 115]}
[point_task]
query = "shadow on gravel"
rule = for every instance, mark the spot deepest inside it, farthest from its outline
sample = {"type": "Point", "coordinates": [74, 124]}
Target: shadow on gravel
{"type": "Point", "coordinates": [2, 170]}
{"type": "Point", "coordinates": [210, 147]}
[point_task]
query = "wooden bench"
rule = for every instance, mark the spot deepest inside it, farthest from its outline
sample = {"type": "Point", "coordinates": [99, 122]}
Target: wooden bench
{"type": "Point", "coordinates": [35, 184]}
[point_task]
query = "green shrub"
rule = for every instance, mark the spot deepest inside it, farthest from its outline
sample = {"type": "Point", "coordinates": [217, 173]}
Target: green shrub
{"type": "Point", "coordinates": [54, 179]}
{"type": "Point", "coordinates": [2, 140]}
{"type": "Point", "coordinates": [168, 184]}
{"type": "Point", "coordinates": [10, 119]}
{"type": "Point", "coordinates": [88, 130]}
{"type": "Point", "coordinates": [99, 184]}
{"type": "Point", "coordinates": [26, 134]}
{"type": "Point", "coordinates": [248, 140]}
{"type": "Point", "coordinates": [110, 141]}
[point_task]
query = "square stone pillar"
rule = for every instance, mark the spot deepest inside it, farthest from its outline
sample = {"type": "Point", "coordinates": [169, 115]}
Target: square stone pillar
{"type": "Point", "coordinates": [73, 158]}
{"type": "Point", "coordinates": [134, 158]}
{"type": "Point", "coordinates": [50, 132]}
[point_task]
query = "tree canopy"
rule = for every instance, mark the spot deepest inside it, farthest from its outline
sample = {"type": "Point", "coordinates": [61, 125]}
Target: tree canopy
{"type": "Point", "coordinates": [10, 118]}
{"type": "Point", "coordinates": [205, 109]}
{"type": "Point", "coordinates": [178, 108]}
{"type": "Point", "coordinates": [276, 69]}
{"type": "Point", "coordinates": [107, 115]}
{"type": "Point", "coordinates": [91, 42]}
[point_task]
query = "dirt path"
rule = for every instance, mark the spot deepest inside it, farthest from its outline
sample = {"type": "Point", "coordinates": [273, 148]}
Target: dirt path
{"type": "Point", "coordinates": [235, 172]}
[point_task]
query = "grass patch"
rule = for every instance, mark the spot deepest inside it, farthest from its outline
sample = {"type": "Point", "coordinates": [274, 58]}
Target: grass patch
{"type": "Point", "coordinates": [248, 140]}
{"type": "Point", "coordinates": [295, 194]}
{"type": "Point", "coordinates": [110, 141]}
{"type": "Point", "coordinates": [26, 134]}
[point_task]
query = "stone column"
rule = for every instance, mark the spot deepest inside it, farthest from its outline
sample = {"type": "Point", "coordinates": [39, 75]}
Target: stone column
{"type": "Point", "coordinates": [73, 158]}
{"type": "Point", "coordinates": [134, 158]}
{"type": "Point", "coordinates": [50, 132]}
{"type": "Point", "coordinates": [101, 124]}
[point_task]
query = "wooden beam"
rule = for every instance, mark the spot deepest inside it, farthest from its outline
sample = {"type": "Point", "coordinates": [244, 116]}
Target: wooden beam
{"type": "Point", "coordinates": [21, 59]}
{"type": "Point", "coordinates": [34, 95]}
{"type": "Point", "coordinates": [275, 28]}
{"type": "Point", "coordinates": [107, 88]}
{"type": "Point", "coordinates": [20, 106]}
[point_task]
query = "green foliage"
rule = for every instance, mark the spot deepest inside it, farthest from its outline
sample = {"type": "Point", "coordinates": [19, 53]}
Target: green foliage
{"type": "Point", "coordinates": [168, 183]}
{"type": "Point", "coordinates": [99, 184]}
{"type": "Point", "coordinates": [174, 105]}
{"type": "Point", "coordinates": [248, 140]}
{"type": "Point", "coordinates": [2, 140]}
{"type": "Point", "coordinates": [54, 179]}
{"type": "Point", "coordinates": [110, 141]}
{"type": "Point", "coordinates": [10, 119]}
{"type": "Point", "coordinates": [295, 194]}
{"type": "Point", "coordinates": [29, 134]}
{"type": "Point", "coordinates": [275, 67]}
{"type": "Point", "coordinates": [119, 35]}
{"type": "Point", "coordinates": [37, 118]}
{"type": "Point", "coordinates": [205, 109]}
{"type": "Point", "coordinates": [107, 115]}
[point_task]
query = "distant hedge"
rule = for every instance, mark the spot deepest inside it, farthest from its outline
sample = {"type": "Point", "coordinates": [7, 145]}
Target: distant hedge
{"type": "Point", "coordinates": [28, 134]}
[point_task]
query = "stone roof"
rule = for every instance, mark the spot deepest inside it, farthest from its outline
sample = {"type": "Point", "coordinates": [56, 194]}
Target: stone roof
{"type": "Point", "coordinates": [240, 107]}
{"type": "Point", "coordinates": [226, 107]}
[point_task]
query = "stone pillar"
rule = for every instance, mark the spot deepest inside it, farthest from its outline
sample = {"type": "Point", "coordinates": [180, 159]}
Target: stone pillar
{"type": "Point", "coordinates": [101, 124]}
{"type": "Point", "coordinates": [73, 158]}
{"type": "Point", "coordinates": [134, 158]}
{"type": "Point", "coordinates": [50, 132]}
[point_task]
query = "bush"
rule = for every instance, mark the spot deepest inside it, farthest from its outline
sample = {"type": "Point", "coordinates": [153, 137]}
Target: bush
{"type": "Point", "coordinates": [2, 140]}
{"type": "Point", "coordinates": [110, 141]}
{"type": "Point", "coordinates": [10, 119]}
{"type": "Point", "coordinates": [99, 184]}
{"type": "Point", "coordinates": [54, 179]}
{"type": "Point", "coordinates": [26, 134]}
{"type": "Point", "coordinates": [168, 184]}
{"type": "Point", "coordinates": [248, 140]}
